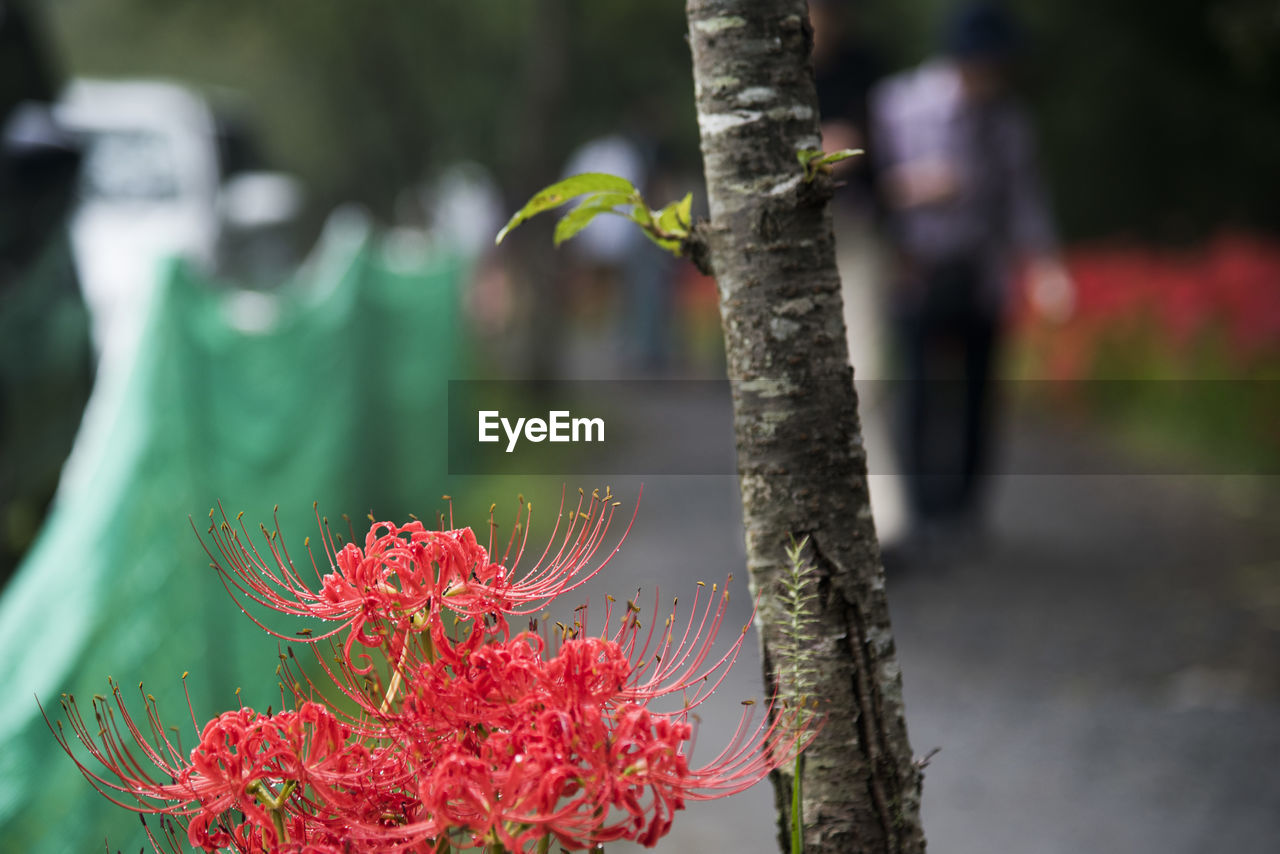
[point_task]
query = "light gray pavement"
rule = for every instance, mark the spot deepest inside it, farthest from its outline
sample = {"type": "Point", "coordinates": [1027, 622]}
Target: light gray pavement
{"type": "Point", "coordinates": [1101, 673]}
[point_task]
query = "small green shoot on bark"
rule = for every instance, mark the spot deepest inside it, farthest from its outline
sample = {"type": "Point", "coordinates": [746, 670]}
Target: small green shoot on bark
{"type": "Point", "coordinates": [668, 227]}
{"type": "Point", "coordinates": [815, 161]}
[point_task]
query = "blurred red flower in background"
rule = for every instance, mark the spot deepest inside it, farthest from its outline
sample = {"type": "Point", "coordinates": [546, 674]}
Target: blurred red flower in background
{"type": "Point", "coordinates": [1227, 290]}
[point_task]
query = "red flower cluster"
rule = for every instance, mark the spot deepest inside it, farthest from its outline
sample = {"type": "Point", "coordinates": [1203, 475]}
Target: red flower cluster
{"type": "Point", "coordinates": [443, 729]}
{"type": "Point", "coordinates": [1229, 288]}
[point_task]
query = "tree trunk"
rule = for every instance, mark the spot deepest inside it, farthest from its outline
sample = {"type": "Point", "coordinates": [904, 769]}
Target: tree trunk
{"type": "Point", "coordinates": [800, 453]}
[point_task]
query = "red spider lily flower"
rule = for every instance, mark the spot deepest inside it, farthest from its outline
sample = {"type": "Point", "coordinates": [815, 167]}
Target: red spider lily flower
{"type": "Point", "coordinates": [244, 762]}
{"type": "Point", "coordinates": [457, 733]}
{"type": "Point", "coordinates": [406, 574]}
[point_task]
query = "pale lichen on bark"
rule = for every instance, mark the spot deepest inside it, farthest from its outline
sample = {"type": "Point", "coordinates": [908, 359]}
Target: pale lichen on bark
{"type": "Point", "coordinates": [800, 453]}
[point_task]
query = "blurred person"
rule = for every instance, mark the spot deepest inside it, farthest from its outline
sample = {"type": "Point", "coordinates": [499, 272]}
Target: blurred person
{"type": "Point", "coordinates": [964, 202]}
{"type": "Point", "coordinates": [462, 208]}
{"type": "Point", "coordinates": [613, 250]}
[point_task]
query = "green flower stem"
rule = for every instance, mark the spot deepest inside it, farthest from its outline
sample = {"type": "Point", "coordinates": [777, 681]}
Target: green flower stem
{"type": "Point", "coordinates": [274, 803]}
{"type": "Point", "coordinates": [797, 822]}
{"type": "Point", "coordinates": [277, 818]}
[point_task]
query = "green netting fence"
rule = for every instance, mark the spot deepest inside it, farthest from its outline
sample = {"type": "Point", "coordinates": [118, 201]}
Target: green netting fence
{"type": "Point", "coordinates": [330, 389]}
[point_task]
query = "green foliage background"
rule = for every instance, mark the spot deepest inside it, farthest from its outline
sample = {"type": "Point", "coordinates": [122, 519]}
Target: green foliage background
{"type": "Point", "coordinates": [1158, 117]}
{"type": "Point", "coordinates": [362, 98]}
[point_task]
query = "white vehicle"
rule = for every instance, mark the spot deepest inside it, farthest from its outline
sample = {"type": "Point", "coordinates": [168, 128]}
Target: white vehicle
{"type": "Point", "coordinates": [150, 181]}
{"type": "Point", "coordinates": [152, 188]}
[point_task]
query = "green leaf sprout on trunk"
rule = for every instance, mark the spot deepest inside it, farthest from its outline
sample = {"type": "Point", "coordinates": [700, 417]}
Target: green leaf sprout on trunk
{"type": "Point", "coordinates": [668, 227]}
{"type": "Point", "coordinates": [817, 162]}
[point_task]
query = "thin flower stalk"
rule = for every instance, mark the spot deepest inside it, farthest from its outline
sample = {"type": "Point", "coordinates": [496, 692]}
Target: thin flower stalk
{"type": "Point", "coordinates": [797, 673]}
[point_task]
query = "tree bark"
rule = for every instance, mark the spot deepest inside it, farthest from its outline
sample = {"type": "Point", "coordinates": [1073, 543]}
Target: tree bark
{"type": "Point", "coordinates": [800, 453]}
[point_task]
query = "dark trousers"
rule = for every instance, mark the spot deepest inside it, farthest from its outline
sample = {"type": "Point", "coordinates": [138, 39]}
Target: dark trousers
{"type": "Point", "coordinates": [947, 341]}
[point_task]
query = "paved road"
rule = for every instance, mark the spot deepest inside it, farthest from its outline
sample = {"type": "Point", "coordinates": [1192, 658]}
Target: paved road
{"type": "Point", "coordinates": [1101, 673]}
